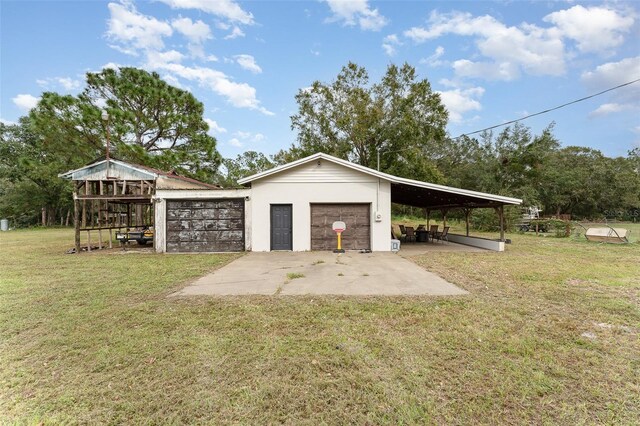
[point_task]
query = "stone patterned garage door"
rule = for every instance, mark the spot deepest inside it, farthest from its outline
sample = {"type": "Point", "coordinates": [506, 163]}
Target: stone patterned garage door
{"type": "Point", "coordinates": [205, 225]}
{"type": "Point", "coordinates": [355, 216]}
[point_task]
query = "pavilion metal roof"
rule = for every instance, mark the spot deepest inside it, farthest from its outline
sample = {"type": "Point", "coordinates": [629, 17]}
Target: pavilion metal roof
{"type": "Point", "coordinates": [406, 191]}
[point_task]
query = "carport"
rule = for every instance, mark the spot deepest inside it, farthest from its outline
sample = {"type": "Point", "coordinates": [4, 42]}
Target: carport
{"type": "Point", "coordinates": [432, 197]}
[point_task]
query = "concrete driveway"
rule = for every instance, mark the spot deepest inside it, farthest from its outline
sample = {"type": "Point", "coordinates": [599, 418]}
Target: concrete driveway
{"type": "Point", "coordinates": [299, 273]}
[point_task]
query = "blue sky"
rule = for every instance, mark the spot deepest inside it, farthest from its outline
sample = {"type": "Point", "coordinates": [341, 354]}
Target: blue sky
{"type": "Point", "coordinates": [491, 61]}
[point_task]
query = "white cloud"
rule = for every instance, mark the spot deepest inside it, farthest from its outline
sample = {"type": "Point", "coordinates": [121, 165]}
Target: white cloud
{"type": "Point", "coordinates": [461, 100]}
{"type": "Point", "coordinates": [529, 48]}
{"type": "Point", "coordinates": [595, 29]}
{"type": "Point", "coordinates": [111, 65]}
{"type": "Point", "coordinates": [133, 31]}
{"type": "Point", "coordinates": [488, 70]}
{"type": "Point", "coordinates": [173, 81]}
{"type": "Point", "coordinates": [248, 63]}
{"type": "Point", "coordinates": [613, 74]}
{"type": "Point", "coordinates": [67, 83]}
{"type": "Point", "coordinates": [248, 137]}
{"type": "Point", "coordinates": [315, 52]}
{"type": "Point", "coordinates": [214, 127]}
{"type": "Point", "coordinates": [235, 142]}
{"type": "Point", "coordinates": [227, 9]}
{"type": "Point", "coordinates": [196, 32]}
{"type": "Point", "coordinates": [434, 59]}
{"type": "Point", "coordinates": [25, 102]}
{"type": "Point", "coordinates": [159, 59]}
{"type": "Point", "coordinates": [222, 25]}
{"type": "Point", "coordinates": [356, 12]}
{"type": "Point", "coordinates": [389, 44]}
{"type": "Point", "coordinates": [610, 108]}
{"type": "Point", "coordinates": [235, 33]}
{"type": "Point", "coordinates": [240, 95]}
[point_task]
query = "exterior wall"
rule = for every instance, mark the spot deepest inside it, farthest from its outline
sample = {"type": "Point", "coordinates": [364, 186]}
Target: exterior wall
{"type": "Point", "coordinates": [160, 238]}
{"type": "Point", "coordinates": [318, 182]}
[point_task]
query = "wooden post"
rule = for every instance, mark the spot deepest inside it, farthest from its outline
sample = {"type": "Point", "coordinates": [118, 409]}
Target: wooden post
{"type": "Point", "coordinates": [444, 217]}
{"type": "Point", "coordinates": [76, 216]}
{"type": "Point", "coordinates": [428, 218]}
{"type": "Point", "coordinates": [467, 213]}
{"type": "Point", "coordinates": [88, 240]}
{"type": "Point", "coordinates": [110, 238]}
{"type": "Point", "coordinates": [501, 218]}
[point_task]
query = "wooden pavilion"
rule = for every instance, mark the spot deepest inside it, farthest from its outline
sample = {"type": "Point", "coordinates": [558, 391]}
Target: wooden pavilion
{"type": "Point", "coordinates": [112, 195]}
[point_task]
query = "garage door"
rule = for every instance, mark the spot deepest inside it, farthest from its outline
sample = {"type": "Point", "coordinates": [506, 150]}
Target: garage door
{"type": "Point", "coordinates": [205, 225]}
{"type": "Point", "coordinates": [355, 216]}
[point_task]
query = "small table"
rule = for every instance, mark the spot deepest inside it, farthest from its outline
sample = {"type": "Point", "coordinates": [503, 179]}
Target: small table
{"type": "Point", "coordinates": [422, 236]}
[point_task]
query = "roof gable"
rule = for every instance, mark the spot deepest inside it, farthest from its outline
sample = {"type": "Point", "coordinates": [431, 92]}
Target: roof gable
{"type": "Point", "coordinates": [117, 169]}
{"type": "Point", "coordinates": [121, 170]}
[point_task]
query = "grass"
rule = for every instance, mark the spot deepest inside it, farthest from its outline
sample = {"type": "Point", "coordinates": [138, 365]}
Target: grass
{"type": "Point", "coordinates": [294, 275]}
{"type": "Point", "coordinates": [549, 334]}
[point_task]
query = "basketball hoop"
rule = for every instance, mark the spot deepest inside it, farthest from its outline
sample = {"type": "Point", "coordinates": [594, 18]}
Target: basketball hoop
{"type": "Point", "coordinates": [339, 227]}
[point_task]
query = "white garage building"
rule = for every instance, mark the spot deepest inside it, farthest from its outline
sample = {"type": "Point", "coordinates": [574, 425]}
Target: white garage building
{"type": "Point", "coordinates": [292, 207]}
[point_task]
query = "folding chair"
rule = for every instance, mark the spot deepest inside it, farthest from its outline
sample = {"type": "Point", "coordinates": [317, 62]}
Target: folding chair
{"type": "Point", "coordinates": [410, 234]}
{"type": "Point", "coordinates": [444, 235]}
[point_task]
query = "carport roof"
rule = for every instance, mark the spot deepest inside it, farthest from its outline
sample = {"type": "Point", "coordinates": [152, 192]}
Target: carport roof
{"type": "Point", "coordinates": [406, 191]}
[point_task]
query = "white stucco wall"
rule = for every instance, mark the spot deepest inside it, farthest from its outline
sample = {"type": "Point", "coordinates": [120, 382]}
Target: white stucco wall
{"type": "Point", "coordinates": [160, 237]}
{"type": "Point", "coordinates": [318, 182]}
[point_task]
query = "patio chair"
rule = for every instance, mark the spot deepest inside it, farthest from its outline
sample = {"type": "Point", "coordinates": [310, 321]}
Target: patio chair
{"type": "Point", "coordinates": [433, 232]}
{"type": "Point", "coordinates": [410, 234]}
{"type": "Point", "coordinates": [444, 235]}
{"type": "Point", "coordinates": [403, 232]}
{"type": "Point", "coordinates": [420, 228]}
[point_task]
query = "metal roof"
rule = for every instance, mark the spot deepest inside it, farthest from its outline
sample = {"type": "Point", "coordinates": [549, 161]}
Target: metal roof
{"type": "Point", "coordinates": [145, 172]}
{"type": "Point", "coordinates": [405, 191]}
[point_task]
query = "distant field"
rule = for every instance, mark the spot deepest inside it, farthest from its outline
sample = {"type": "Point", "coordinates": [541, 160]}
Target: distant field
{"type": "Point", "coordinates": [549, 334]}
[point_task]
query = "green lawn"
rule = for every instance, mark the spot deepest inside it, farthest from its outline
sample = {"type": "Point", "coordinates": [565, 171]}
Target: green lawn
{"type": "Point", "coordinates": [549, 334]}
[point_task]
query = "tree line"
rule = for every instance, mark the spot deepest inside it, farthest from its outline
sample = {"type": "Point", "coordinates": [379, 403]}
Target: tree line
{"type": "Point", "coordinates": [397, 124]}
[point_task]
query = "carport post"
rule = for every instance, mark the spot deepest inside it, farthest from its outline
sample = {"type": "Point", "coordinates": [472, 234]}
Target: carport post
{"type": "Point", "coordinates": [444, 217]}
{"type": "Point", "coordinates": [467, 212]}
{"type": "Point", "coordinates": [501, 217]}
{"type": "Point", "coordinates": [428, 218]}
{"type": "Point", "coordinates": [76, 215]}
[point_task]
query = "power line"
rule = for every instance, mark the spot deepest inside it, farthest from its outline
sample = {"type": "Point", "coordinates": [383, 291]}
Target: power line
{"type": "Point", "coordinates": [548, 110]}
